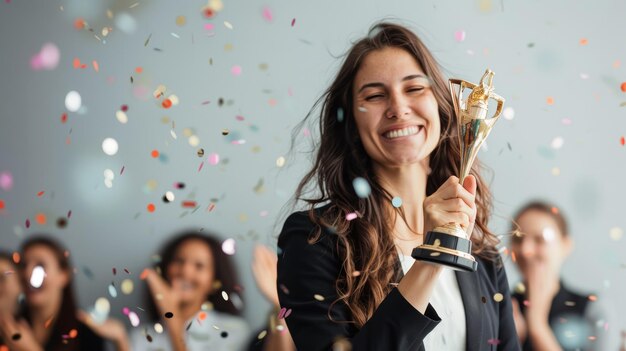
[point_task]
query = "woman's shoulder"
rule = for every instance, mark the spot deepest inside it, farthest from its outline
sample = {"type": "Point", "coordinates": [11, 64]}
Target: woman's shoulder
{"type": "Point", "coordinates": [299, 229]}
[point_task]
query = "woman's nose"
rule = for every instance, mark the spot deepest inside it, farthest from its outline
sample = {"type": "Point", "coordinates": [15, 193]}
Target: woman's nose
{"type": "Point", "coordinates": [398, 106]}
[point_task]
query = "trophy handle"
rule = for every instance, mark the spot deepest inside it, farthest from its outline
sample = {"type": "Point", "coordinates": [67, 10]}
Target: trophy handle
{"type": "Point", "coordinates": [500, 101]}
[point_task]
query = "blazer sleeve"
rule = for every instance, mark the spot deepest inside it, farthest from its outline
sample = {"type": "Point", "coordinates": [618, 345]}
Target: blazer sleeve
{"type": "Point", "coordinates": [507, 333]}
{"type": "Point", "coordinates": [306, 288]}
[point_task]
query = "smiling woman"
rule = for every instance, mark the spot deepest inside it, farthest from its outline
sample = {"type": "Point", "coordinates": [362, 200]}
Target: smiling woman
{"type": "Point", "coordinates": [350, 279]}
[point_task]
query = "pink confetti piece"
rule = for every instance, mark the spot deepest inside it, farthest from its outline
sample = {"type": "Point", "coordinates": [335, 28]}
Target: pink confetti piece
{"type": "Point", "coordinates": [238, 142]}
{"type": "Point", "coordinates": [350, 216]}
{"type": "Point", "coordinates": [284, 313]}
{"type": "Point", "coordinates": [27, 223]}
{"type": "Point", "coordinates": [306, 132]}
{"type": "Point", "coordinates": [566, 121]}
{"type": "Point", "coordinates": [214, 159]}
{"type": "Point", "coordinates": [69, 214]}
{"type": "Point", "coordinates": [267, 14]}
{"type": "Point", "coordinates": [290, 91]}
{"type": "Point", "coordinates": [236, 70]}
{"type": "Point", "coordinates": [239, 118]}
{"type": "Point", "coordinates": [125, 310]}
{"type": "Point", "coordinates": [209, 26]}
{"type": "Point", "coordinates": [293, 22]}
{"type": "Point", "coordinates": [493, 341]}
{"type": "Point", "coordinates": [47, 58]}
{"type": "Point", "coordinates": [201, 164]}
{"type": "Point", "coordinates": [264, 213]}
{"type": "Point", "coordinates": [6, 181]}
{"type": "Point", "coordinates": [459, 35]}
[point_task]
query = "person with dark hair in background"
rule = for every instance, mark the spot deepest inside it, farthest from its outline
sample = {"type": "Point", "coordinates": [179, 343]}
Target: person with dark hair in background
{"type": "Point", "coordinates": [10, 287]}
{"type": "Point", "coordinates": [383, 176]}
{"type": "Point", "coordinates": [49, 319]}
{"type": "Point", "coordinates": [548, 314]}
{"type": "Point", "coordinates": [193, 292]}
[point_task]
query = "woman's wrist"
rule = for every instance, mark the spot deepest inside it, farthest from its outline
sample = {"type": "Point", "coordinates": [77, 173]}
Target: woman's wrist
{"type": "Point", "coordinates": [418, 283]}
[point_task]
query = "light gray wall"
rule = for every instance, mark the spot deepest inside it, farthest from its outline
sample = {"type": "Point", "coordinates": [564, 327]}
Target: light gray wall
{"type": "Point", "coordinates": [533, 46]}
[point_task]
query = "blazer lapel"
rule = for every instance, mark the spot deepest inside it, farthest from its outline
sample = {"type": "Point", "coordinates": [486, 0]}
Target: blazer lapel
{"type": "Point", "coordinates": [470, 293]}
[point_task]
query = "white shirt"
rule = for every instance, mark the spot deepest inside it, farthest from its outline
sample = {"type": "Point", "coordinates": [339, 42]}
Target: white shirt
{"type": "Point", "coordinates": [218, 331]}
{"type": "Point", "coordinates": [450, 333]}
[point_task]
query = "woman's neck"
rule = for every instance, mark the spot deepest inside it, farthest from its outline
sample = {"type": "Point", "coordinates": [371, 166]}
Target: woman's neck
{"type": "Point", "coordinates": [409, 184]}
{"type": "Point", "coordinates": [41, 316]}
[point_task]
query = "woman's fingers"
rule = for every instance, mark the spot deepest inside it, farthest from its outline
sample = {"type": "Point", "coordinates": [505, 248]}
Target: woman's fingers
{"type": "Point", "coordinates": [452, 189]}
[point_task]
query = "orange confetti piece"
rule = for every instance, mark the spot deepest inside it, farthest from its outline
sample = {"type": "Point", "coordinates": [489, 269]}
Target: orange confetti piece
{"type": "Point", "coordinates": [202, 316]}
{"type": "Point", "coordinates": [622, 141]}
{"type": "Point", "coordinates": [16, 257]}
{"type": "Point", "coordinates": [550, 100]}
{"type": "Point", "coordinates": [554, 210]}
{"type": "Point", "coordinates": [64, 118]}
{"type": "Point", "coordinates": [41, 219]}
{"type": "Point", "coordinates": [138, 69]}
{"type": "Point", "coordinates": [167, 103]}
{"type": "Point", "coordinates": [2, 205]}
{"type": "Point", "coordinates": [151, 208]}
{"type": "Point", "coordinates": [154, 153]}
{"type": "Point", "coordinates": [47, 323]}
{"type": "Point", "coordinates": [95, 65]}
{"type": "Point", "coordinates": [623, 87]}
{"type": "Point", "coordinates": [189, 204]}
{"type": "Point", "coordinates": [73, 333]}
{"type": "Point", "coordinates": [76, 62]}
{"type": "Point", "coordinates": [4, 348]}
{"type": "Point", "coordinates": [513, 257]}
{"type": "Point", "coordinates": [593, 298]}
{"type": "Point", "coordinates": [41, 193]}
{"type": "Point", "coordinates": [79, 23]}
{"type": "Point", "coordinates": [144, 274]}
{"type": "Point", "coordinates": [584, 41]}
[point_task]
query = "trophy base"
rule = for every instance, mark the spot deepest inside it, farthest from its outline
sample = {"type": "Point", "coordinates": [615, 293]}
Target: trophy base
{"type": "Point", "coordinates": [446, 249]}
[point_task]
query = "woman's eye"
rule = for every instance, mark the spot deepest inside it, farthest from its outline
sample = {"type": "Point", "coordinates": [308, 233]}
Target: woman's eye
{"type": "Point", "coordinates": [416, 89]}
{"type": "Point", "coordinates": [374, 97]}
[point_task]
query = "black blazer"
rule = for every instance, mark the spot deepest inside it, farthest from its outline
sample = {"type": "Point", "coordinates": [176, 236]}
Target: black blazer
{"type": "Point", "coordinates": [308, 271]}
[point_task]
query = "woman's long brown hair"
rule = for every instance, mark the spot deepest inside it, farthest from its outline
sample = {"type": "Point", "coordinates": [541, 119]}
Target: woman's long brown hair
{"type": "Point", "coordinates": [365, 245]}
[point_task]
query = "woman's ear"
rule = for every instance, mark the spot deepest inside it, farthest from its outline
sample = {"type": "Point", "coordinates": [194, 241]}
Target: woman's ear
{"type": "Point", "coordinates": [568, 245]}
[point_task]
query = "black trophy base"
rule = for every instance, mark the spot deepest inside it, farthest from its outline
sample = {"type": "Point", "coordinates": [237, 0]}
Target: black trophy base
{"type": "Point", "coordinates": [428, 252]}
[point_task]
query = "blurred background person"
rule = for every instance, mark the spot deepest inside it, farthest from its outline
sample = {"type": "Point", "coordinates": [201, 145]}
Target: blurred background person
{"type": "Point", "coordinates": [549, 315]}
{"type": "Point", "coordinates": [48, 320]}
{"type": "Point", "coordinates": [193, 293]}
{"type": "Point", "coordinates": [276, 336]}
{"type": "Point", "coordinates": [10, 287]}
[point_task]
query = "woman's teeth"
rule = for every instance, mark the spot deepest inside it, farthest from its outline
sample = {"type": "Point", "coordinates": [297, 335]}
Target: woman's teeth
{"type": "Point", "coordinates": [402, 132]}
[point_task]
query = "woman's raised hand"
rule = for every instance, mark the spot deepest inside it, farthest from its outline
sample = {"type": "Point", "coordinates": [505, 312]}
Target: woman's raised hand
{"type": "Point", "coordinates": [452, 203]}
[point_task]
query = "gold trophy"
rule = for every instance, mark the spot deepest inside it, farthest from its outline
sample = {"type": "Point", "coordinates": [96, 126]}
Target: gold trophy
{"type": "Point", "coordinates": [448, 245]}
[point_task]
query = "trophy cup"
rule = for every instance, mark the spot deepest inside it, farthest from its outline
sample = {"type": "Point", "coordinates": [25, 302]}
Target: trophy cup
{"type": "Point", "coordinates": [448, 244]}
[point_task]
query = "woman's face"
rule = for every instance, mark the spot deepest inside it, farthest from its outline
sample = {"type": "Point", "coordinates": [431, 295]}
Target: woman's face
{"type": "Point", "coordinates": [10, 288]}
{"type": "Point", "coordinates": [540, 241]}
{"type": "Point", "coordinates": [55, 278]}
{"type": "Point", "coordinates": [395, 110]}
{"type": "Point", "coordinates": [192, 271]}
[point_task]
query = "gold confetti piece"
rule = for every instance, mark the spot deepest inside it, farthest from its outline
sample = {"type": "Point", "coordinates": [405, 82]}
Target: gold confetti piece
{"type": "Point", "coordinates": [280, 161]}
{"type": "Point", "coordinates": [570, 303]}
{"type": "Point", "coordinates": [616, 233]}
{"type": "Point", "coordinates": [181, 21]}
{"type": "Point", "coordinates": [318, 297]}
{"type": "Point", "coordinates": [127, 286]}
{"type": "Point", "coordinates": [262, 334]}
{"type": "Point", "coordinates": [497, 297]}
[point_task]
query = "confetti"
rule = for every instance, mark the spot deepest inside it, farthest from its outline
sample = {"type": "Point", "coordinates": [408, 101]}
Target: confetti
{"type": "Point", "coordinates": [616, 233]}
{"type": "Point", "coordinates": [623, 87]}
{"type": "Point", "coordinates": [622, 141]}
{"type": "Point", "coordinates": [557, 143]}
{"type": "Point", "coordinates": [228, 246]}
{"type": "Point", "coordinates": [151, 208]}
{"type": "Point", "coordinates": [154, 153]}
{"type": "Point", "coordinates": [47, 58]}
{"type": "Point", "coordinates": [6, 181]}
{"type": "Point", "coordinates": [73, 101]}
{"type": "Point", "coordinates": [112, 290]}
{"type": "Point", "coordinates": [396, 202]}
{"type": "Point", "coordinates": [158, 328]}
{"type": "Point", "coordinates": [224, 295]}
{"type": "Point", "coordinates": [168, 315]}
{"type": "Point", "coordinates": [214, 159]}
{"type": "Point", "coordinates": [228, 25]}
{"type": "Point", "coordinates": [280, 161]}
{"type": "Point", "coordinates": [361, 187]}
{"type": "Point", "coordinates": [293, 22]}
{"type": "Point", "coordinates": [550, 100]}
{"type": "Point", "coordinates": [459, 35]}
{"type": "Point", "coordinates": [134, 319]}
{"type": "Point", "coordinates": [37, 276]}
{"type": "Point", "coordinates": [127, 286]}
{"type": "Point", "coordinates": [262, 334]}
{"type": "Point", "coordinates": [508, 113]}
{"type": "Point", "coordinates": [267, 14]}
{"type": "Point", "coordinates": [318, 297]}
{"type": "Point", "coordinates": [109, 146]}
{"type": "Point", "coordinates": [498, 297]}
{"type": "Point", "coordinates": [2, 205]}
{"type": "Point", "coordinates": [236, 70]}
{"type": "Point", "coordinates": [181, 21]}
{"type": "Point", "coordinates": [350, 216]}
{"type": "Point", "coordinates": [121, 117]}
